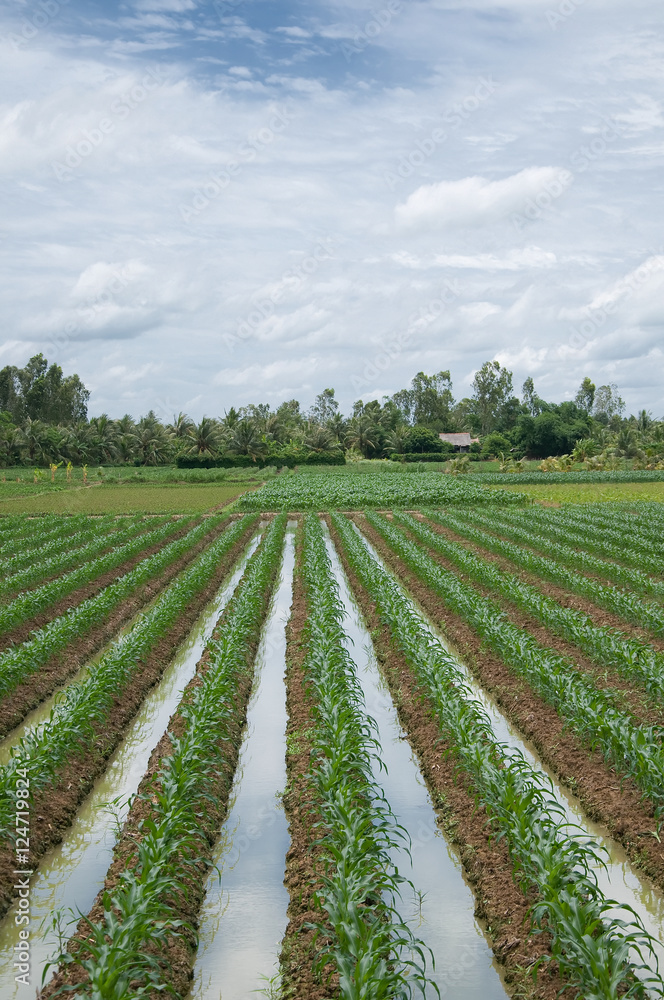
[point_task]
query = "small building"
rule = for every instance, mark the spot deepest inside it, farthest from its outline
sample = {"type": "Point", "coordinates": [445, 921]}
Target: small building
{"type": "Point", "coordinates": [461, 442]}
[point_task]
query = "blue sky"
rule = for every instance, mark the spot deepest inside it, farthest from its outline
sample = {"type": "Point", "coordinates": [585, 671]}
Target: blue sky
{"type": "Point", "coordinates": [210, 204]}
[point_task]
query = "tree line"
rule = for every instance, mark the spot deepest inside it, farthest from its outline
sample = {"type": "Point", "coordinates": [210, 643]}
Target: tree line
{"type": "Point", "coordinates": [43, 420]}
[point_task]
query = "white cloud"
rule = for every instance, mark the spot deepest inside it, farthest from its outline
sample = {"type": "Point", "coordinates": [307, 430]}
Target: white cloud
{"type": "Point", "coordinates": [476, 201]}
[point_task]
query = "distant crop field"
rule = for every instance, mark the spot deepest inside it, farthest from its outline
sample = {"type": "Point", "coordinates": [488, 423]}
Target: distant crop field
{"type": "Point", "coordinates": [150, 499]}
{"type": "Point", "coordinates": [565, 493]}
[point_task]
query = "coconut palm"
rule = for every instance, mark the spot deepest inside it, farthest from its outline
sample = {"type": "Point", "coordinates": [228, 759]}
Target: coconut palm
{"type": "Point", "coordinates": [205, 437]}
{"type": "Point", "coordinates": [246, 440]}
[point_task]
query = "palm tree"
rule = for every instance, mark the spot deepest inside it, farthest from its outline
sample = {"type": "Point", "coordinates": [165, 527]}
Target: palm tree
{"type": "Point", "coordinates": [181, 427]}
{"type": "Point", "coordinates": [205, 437]}
{"type": "Point", "coordinates": [318, 438]}
{"type": "Point", "coordinates": [396, 440]}
{"type": "Point", "coordinates": [153, 444]}
{"type": "Point", "coordinates": [247, 441]}
{"type": "Point", "coordinates": [103, 434]}
{"type": "Point", "coordinates": [362, 435]}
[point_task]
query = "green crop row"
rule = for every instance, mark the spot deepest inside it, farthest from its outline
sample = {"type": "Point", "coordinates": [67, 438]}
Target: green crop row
{"type": "Point", "coordinates": [367, 940]}
{"type": "Point", "coordinates": [643, 521]}
{"type": "Point", "coordinates": [18, 662]}
{"type": "Point", "coordinates": [347, 492]}
{"type": "Point", "coordinates": [633, 659]}
{"type": "Point", "coordinates": [31, 602]}
{"type": "Point", "coordinates": [46, 549]}
{"type": "Point", "coordinates": [32, 532]}
{"type": "Point", "coordinates": [139, 910]}
{"type": "Point", "coordinates": [82, 707]}
{"type": "Point", "coordinates": [634, 750]}
{"type": "Point", "coordinates": [591, 946]}
{"type": "Point", "coordinates": [550, 538]}
{"type": "Point", "coordinates": [627, 606]}
{"type": "Point", "coordinates": [77, 552]}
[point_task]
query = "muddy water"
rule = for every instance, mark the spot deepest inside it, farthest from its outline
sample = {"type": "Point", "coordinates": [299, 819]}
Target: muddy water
{"type": "Point", "coordinates": [243, 918]}
{"type": "Point", "coordinates": [71, 874]}
{"type": "Point", "coordinates": [440, 909]}
{"type": "Point", "coordinates": [619, 880]}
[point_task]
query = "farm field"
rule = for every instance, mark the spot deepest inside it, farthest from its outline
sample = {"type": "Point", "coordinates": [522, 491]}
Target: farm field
{"type": "Point", "coordinates": [600, 492]}
{"type": "Point", "coordinates": [452, 777]}
{"type": "Point", "coordinates": [130, 499]}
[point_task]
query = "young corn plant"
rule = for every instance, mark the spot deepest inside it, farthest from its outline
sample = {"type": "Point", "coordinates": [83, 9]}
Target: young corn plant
{"type": "Point", "coordinates": [375, 954]}
{"type": "Point", "coordinates": [31, 602]}
{"type": "Point", "coordinates": [80, 548]}
{"type": "Point", "coordinates": [18, 662]}
{"type": "Point", "coordinates": [636, 751]}
{"type": "Point", "coordinates": [600, 954]}
{"type": "Point", "coordinates": [74, 723]}
{"type": "Point", "coordinates": [638, 661]}
{"type": "Point", "coordinates": [125, 952]}
{"type": "Point", "coordinates": [562, 546]}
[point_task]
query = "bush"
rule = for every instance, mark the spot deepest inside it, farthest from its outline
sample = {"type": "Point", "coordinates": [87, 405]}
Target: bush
{"type": "Point", "coordinates": [424, 456]}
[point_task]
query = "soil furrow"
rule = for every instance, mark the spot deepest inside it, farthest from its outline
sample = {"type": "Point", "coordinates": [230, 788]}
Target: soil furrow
{"type": "Point", "coordinates": [301, 880]}
{"type": "Point", "coordinates": [22, 632]}
{"type": "Point", "coordinates": [500, 904]}
{"type": "Point", "coordinates": [54, 808]}
{"type": "Point", "coordinates": [181, 951]}
{"type": "Point", "coordinates": [606, 797]}
{"type": "Point", "coordinates": [64, 664]}
{"type": "Point", "coordinates": [630, 698]}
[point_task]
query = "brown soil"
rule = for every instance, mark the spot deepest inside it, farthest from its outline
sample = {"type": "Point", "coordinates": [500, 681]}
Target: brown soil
{"type": "Point", "coordinates": [39, 685]}
{"type": "Point", "coordinates": [500, 904]}
{"type": "Point", "coordinates": [605, 797]}
{"type": "Point", "coordinates": [599, 616]}
{"type": "Point", "coordinates": [181, 950]}
{"type": "Point", "coordinates": [298, 952]}
{"type": "Point", "coordinates": [54, 808]}
{"type": "Point", "coordinates": [633, 700]}
{"type": "Point", "coordinates": [22, 632]}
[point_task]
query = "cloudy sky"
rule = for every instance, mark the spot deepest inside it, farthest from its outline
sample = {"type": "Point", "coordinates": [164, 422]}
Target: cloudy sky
{"type": "Point", "coordinates": [208, 203]}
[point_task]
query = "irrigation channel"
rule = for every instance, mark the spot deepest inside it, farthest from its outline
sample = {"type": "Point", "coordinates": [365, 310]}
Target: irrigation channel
{"type": "Point", "coordinates": [244, 915]}
{"type": "Point", "coordinates": [73, 872]}
{"type": "Point", "coordinates": [441, 911]}
{"type": "Point", "coordinates": [618, 879]}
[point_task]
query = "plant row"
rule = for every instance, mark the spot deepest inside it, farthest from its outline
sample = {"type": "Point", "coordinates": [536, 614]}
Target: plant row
{"type": "Point", "coordinates": [645, 527]}
{"type": "Point", "coordinates": [18, 662]}
{"type": "Point", "coordinates": [77, 552]}
{"type": "Point", "coordinates": [617, 543]}
{"type": "Point", "coordinates": [627, 606]}
{"type": "Point", "coordinates": [125, 952]}
{"type": "Point", "coordinates": [368, 942]}
{"type": "Point", "coordinates": [22, 532]}
{"type": "Point", "coordinates": [551, 538]}
{"type": "Point", "coordinates": [593, 948]}
{"type": "Point", "coordinates": [31, 602]}
{"type": "Point", "coordinates": [343, 492]}
{"type": "Point", "coordinates": [82, 708]}
{"type": "Point", "coordinates": [60, 541]}
{"type": "Point", "coordinates": [635, 660]}
{"type": "Point", "coordinates": [635, 751]}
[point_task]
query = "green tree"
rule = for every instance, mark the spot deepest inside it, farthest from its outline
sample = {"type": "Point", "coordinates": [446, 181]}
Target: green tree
{"type": "Point", "coordinates": [492, 391]}
{"type": "Point", "coordinates": [324, 408]}
{"type": "Point", "coordinates": [585, 396]}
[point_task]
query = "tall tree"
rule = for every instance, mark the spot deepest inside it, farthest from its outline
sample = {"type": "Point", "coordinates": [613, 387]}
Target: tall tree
{"type": "Point", "coordinates": [492, 390]}
{"type": "Point", "coordinates": [324, 408]}
{"type": "Point", "coordinates": [585, 397]}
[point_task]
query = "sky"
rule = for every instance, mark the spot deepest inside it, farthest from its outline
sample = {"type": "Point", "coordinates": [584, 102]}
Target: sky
{"type": "Point", "coordinates": [209, 204]}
